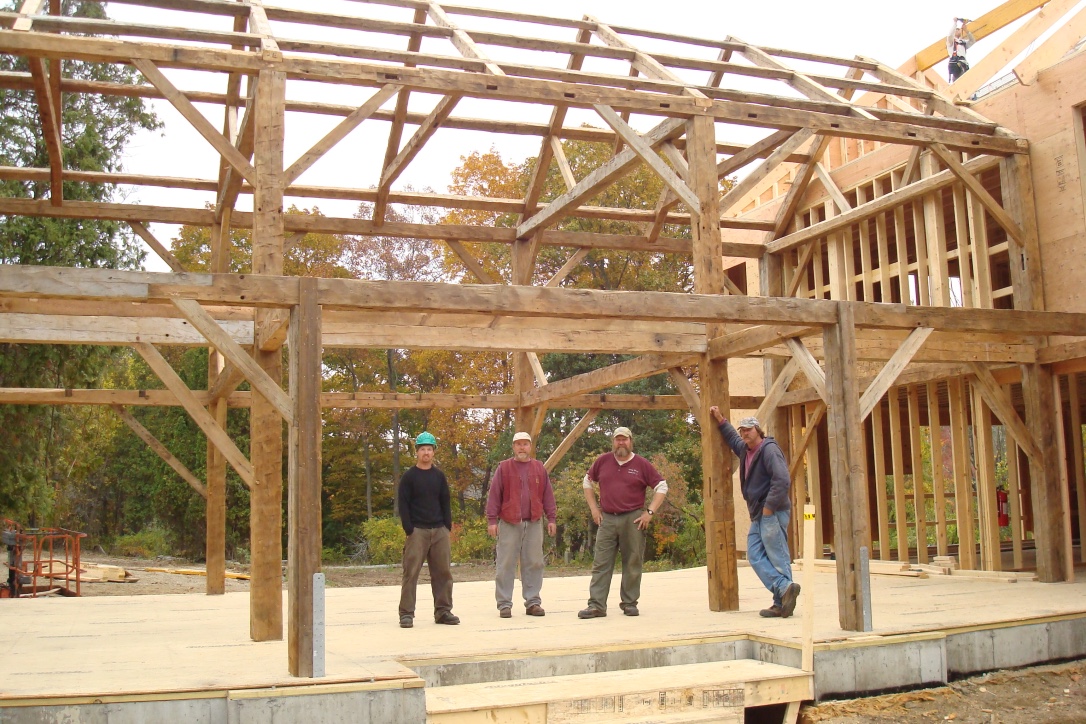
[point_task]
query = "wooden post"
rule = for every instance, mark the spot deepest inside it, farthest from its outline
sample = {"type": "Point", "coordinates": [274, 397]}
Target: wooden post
{"type": "Point", "coordinates": [265, 423]}
{"type": "Point", "coordinates": [716, 461]}
{"type": "Point", "coordinates": [807, 652]}
{"type": "Point", "coordinates": [304, 481]}
{"type": "Point", "coordinates": [1046, 483]}
{"type": "Point", "coordinates": [847, 461]}
{"type": "Point", "coordinates": [215, 543]}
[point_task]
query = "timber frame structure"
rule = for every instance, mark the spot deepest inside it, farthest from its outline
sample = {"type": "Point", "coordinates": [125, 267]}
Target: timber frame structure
{"type": "Point", "coordinates": [872, 277]}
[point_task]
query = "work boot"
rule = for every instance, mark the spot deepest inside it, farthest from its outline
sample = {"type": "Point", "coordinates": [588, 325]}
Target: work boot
{"type": "Point", "coordinates": [406, 621]}
{"type": "Point", "coordinates": [447, 618]}
{"type": "Point", "coordinates": [788, 600]}
{"type": "Point", "coordinates": [535, 610]}
{"type": "Point", "coordinates": [591, 613]}
{"type": "Point", "coordinates": [773, 611]}
{"type": "Point", "coordinates": [630, 610]}
{"type": "Point", "coordinates": [505, 612]}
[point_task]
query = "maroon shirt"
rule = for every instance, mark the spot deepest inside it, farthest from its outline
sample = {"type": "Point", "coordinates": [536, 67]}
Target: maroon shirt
{"type": "Point", "coordinates": [622, 487]}
{"type": "Point", "coordinates": [500, 488]}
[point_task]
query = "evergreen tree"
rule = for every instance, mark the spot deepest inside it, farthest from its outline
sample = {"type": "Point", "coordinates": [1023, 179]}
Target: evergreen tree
{"type": "Point", "coordinates": [95, 130]}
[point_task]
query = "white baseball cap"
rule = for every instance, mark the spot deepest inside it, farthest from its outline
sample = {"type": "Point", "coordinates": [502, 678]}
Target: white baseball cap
{"type": "Point", "coordinates": [522, 436]}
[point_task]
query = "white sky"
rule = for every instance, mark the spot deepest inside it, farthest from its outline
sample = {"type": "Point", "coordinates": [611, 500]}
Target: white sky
{"type": "Point", "coordinates": [888, 31]}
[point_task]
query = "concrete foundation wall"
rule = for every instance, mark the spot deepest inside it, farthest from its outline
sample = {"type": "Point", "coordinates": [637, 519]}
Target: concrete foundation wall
{"type": "Point", "coordinates": [337, 706]}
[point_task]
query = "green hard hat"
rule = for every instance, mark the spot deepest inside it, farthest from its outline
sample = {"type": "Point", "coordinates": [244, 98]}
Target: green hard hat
{"type": "Point", "coordinates": [426, 438]}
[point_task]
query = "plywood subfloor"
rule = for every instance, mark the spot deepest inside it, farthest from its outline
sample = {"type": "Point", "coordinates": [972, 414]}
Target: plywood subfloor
{"type": "Point", "coordinates": [113, 645]}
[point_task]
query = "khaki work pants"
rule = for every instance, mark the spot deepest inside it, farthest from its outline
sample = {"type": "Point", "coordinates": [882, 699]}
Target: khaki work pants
{"type": "Point", "coordinates": [617, 534]}
{"type": "Point", "coordinates": [430, 545]}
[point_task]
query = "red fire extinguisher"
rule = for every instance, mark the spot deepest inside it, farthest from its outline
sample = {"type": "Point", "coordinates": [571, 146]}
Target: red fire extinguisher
{"type": "Point", "coordinates": [1004, 506]}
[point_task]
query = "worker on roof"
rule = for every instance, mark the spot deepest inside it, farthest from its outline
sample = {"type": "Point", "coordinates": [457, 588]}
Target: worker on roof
{"type": "Point", "coordinates": [958, 41]}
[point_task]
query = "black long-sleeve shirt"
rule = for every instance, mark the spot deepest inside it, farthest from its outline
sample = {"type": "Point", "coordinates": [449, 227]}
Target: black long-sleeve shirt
{"type": "Point", "coordinates": [424, 499]}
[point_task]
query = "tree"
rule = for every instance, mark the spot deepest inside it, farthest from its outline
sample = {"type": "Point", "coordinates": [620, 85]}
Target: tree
{"type": "Point", "coordinates": [95, 131]}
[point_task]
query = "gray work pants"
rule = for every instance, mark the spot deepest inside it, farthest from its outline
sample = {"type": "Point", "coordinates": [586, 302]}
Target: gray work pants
{"type": "Point", "coordinates": [617, 534]}
{"type": "Point", "coordinates": [519, 543]}
{"type": "Point", "coordinates": [430, 545]}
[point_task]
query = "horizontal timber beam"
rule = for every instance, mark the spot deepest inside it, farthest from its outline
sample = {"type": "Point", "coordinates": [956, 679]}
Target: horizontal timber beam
{"type": "Point", "coordinates": [352, 400]}
{"type": "Point", "coordinates": [347, 294]}
{"type": "Point", "coordinates": [483, 85]}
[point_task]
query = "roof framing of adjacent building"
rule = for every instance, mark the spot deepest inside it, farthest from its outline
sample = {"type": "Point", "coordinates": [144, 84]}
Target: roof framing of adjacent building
{"type": "Point", "coordinates": [684, 90]}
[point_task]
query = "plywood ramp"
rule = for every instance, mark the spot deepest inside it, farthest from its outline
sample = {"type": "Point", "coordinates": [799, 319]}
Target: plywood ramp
{"type": "Point", "coordinates": [718, 692]}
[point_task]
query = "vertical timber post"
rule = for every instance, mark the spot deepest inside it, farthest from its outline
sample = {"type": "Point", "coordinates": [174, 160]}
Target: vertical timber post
{"type": "Point", "coordinates": [265, 424]}
{"type": "Point", "coordinates": [1053, 543]}
{"type": "Point", "coordinates": [304, 478]}
{"type": "Point", "coordinates": [523, 377]}
{"type": "Point", "coordinates": [716, 462]}
{"type": "Point", "coordinates": [851, 524]}
{"type": "Point", "coordinates": [215, 542]}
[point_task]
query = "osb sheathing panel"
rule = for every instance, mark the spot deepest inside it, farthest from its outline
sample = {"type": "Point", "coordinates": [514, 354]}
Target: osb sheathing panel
{"type": "Point", "coordinates": [1044, 113]}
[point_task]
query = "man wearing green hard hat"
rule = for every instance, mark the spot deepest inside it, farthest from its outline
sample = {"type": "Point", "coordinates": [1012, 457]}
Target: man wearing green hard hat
{"type": "Point", "coordinates": [426, 516]}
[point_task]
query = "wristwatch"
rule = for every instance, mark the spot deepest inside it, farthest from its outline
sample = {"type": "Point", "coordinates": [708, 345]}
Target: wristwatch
{"type": "Point", "coordinates": [650, 511]}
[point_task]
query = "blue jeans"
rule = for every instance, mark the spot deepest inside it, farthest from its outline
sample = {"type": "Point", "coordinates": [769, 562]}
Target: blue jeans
{"type": "Point", "coordinates": [767, 552]}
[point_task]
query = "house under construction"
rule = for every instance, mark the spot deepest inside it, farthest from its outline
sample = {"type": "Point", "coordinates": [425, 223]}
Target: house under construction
{"type": "Point", "coordinates": [898, 265]}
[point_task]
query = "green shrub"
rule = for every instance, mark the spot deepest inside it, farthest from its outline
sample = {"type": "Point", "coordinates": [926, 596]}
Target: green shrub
{"type": "Point", "coordinates": [148, 543]}
{"type": "Point", "coordinates": [470, 541]}
{"type": "Point", "coordinates": [384, 539]}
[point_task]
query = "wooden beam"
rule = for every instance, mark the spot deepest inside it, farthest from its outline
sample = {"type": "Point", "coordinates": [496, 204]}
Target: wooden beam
{"type": "Point", "coordinates": [809, 366]}
{"type": "Point", "coordinates": [686, 389]}
{"type": "Point", "coordinates": [341, 131]}
{"type": "Point", "coordinates": [50, 117]}
{"type": "Point", "coordinates": [1052, 49]}
{"type": "Point", "coordinates": [754, 339]}
{"type": "Point", "coordinates": [157, 246]}
{"type": "Point", "coordinates": [304, 478]}
{"type": "Point", "coordinates": [461, 40]}
{"type": "Point", "coordinates": [470, 262]}
{"type": "Point", "coordinates": [226, 381]}
{"type": "Point", "coordinates": [199, 122]}
{"type": "Point", "coordinates": [570, 439]}
{"type": "Point", "coordinates": [270, 331]}
{"type": "Point", "coordinates": [411, 149]}
{"type": "Point", "coordinates": [741, 189]}
{"type": "Point", "coordinates": [563, 164]}
{"type": "Point", "coordinates": [610, 171]}
{"type": "Point", "coordinates": [199, 415]}
{"type": "Point", "coordinates": [831, 188]}
{"type": "Point", "coordinates": [602, 378]}
{"type": "Point", "coordinates": [993, 394]}
{"type": "Point", "coordinates": [777, 389]}
{"type": "Point", "coordinates": [799, 81]}
{"type": "Point", "coordinates": [809, 432]}
{"type": "Point", "coordinates": [880, 205]}
{"type": "Point", "coordinates": [638, 145]}
{"type": "Point", "coordinates": [886, 377]}
{"type": "Point", "coordinates": [399, 114]}
{"type": "Point", "coordinates": [257, 377]}
{"type": "Point", "coordinates": [979, 192]}
{"type": "Point", "coordinates": [152, 442]}
{"type": "Point", "coordinates": [850, 502]}
{"type": "Point", "coordinates": [537, 369]}
{"type": "Point", "coordinates": [571, 263]}
{"type": "Point", "coordinates": [995, 60]}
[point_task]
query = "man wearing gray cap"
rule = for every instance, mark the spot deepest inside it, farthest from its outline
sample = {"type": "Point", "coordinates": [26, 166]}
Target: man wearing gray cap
{"type": "Point", "coordinates": [764, 479]}
{"type": "Point", "coordinates": [520, 495]}
{"type": "Point", "coordinates": [623, 478]}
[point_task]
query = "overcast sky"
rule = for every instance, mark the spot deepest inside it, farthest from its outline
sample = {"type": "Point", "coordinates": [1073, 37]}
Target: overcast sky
{"type": "Point", "coordinates": [888, 31]}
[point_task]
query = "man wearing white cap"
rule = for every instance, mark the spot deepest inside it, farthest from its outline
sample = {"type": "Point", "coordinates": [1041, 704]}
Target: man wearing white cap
{"type": "Point", "coordinates": [622, 517]}
{"type": "Point", "coordinates": [520, 495]}
{"type": "Point", "coordinates": [764, 478]}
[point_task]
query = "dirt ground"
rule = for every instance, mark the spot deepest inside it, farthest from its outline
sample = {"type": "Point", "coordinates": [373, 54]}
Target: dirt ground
{"type": "Point", "coordinates": [1053, 694]}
